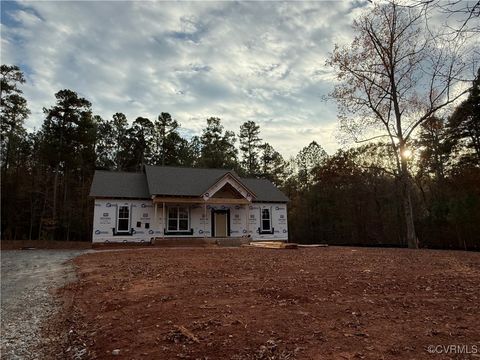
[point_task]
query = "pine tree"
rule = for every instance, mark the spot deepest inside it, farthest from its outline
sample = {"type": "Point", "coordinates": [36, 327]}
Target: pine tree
{"type": "Point", "coordinates": [166, 140]}
{"type": "Point", "coordinates": [464, 125]}
{"type": "Point", "coordinates": [273, 166]}
{"type": "Point", "coordinates": [218, 146]}
{"type": "Point", "coordinates": [250, 145]}
{"type": "Point", "coordinates": [14, 112]}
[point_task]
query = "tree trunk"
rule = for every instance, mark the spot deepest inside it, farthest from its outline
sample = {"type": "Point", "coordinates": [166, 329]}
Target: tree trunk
{"type": "Point", "coordinates": [32, 213]}
{"type": "Point", "coordinates": [55, 185]}
{"type": "Point", "coordinates": [410, 234]}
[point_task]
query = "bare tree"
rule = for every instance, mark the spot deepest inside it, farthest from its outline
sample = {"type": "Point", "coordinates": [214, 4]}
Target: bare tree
{"type": "Point", "coordinates": [392, 78]}
{"type": "Point", "coordinates": [461, 16]}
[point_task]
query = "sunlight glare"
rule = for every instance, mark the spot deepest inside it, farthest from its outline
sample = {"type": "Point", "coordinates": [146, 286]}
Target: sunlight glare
{"type": "Point", "coordinates": [407, 154]}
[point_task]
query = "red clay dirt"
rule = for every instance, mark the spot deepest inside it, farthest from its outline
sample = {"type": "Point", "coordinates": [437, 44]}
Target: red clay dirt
{"type": "Point", "coordinates": [244, 303]}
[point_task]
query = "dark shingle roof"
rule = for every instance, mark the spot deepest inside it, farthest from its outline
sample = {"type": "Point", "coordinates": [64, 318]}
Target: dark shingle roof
{"type": "Point", "coordinates": [169, 180]}
{"type": "Point", "coordinates": [265, 190]}
{"type": "Point", "coordinates": [119, 184]}
{"type": "Point", "coordinates": [174, 181]}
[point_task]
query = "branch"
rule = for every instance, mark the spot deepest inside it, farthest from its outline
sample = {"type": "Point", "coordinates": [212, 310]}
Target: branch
{"type": "Point", "coordinates": [370, 139]}
{"type": "Point", "coordinates": [432, 111]}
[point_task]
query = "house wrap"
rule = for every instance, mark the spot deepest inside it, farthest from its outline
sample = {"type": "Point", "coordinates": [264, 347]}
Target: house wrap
{"type": "Point", "coordinates": [165, 202]}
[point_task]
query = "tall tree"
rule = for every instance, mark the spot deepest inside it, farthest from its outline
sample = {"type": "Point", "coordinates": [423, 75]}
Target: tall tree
{"type": "Point", "coordinates": [392, 78]}
{"type": "Point", "coordinates": [11, 78]}
{"type": "Point", "coordinates": [68, 139]}
{"type": "Point", "coordinates": [13, 113]}
{"type": "Point", "coordinates": [14, 149]}
{"type": "Point", "coordinates": [464, 125]}
{"type": "Point", "coordinates": [310, 157]}
{"type": "Point", "coordinates": [140, 138]}
{"type": "Point", "coordinates": [218, 146]}
{"type": "Point", "coordinates": [112, 142]}
{"type": "Point", "coordinates": [273, 166]}
{"type": "Point", "coordinates": [250, 145]}
{"type": "Point", "coordinates": [434, 147]}
{"type": "Point", "coordinates": [120, 127]}
{"type": "Point", "coordinates": [195, 150]}
{"type": "Point", "coordinates": [166, 139]}
{"type": "Point", "coordinates": [104, 144]}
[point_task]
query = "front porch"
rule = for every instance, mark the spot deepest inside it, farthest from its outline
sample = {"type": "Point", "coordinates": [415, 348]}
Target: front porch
{"type": "Point", "coordinates": [221, 211]}
{"type": "Point", "coordinates": [197, 218]}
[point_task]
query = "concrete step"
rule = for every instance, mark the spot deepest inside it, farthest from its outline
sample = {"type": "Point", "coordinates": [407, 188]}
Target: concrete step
{"type": "Point", "coordinates": [199, 242]}
{"type": "Point", "coordinates": [232, 242]}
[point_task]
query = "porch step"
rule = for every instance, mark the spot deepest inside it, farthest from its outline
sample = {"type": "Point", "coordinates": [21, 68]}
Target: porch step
{"type": "Point", "coordinates": [199, 242]}
{"type": "Point", "coordinates": [232, 242]}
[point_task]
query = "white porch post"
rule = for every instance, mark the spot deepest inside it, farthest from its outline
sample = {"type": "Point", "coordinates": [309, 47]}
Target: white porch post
{"type": "Point", "coordinates": [204, 219]}
{"type": "Point", "coordinates": [156, 216]}
{"type": "Point", "coordinates": [163, 221]}
{"type": "Point", "coordinates": [248, 219]}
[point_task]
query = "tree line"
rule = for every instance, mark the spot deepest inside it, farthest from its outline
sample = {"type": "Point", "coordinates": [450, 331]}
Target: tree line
{"type": "Point", "coordinates": [349, 197]}
{"type": "Point", "coordinates": [412, 178]}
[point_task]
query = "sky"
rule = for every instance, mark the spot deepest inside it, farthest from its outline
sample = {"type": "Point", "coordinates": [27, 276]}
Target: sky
{"type": "Point", "coordinates": [240, 61]}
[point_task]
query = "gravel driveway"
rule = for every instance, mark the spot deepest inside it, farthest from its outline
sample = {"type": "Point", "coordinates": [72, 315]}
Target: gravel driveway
{"type": "Point", "coordinates": [28, 276]}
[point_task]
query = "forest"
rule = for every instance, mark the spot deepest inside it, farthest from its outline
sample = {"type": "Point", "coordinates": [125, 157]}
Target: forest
{"type": "Point", "coordinates": [414, 184]}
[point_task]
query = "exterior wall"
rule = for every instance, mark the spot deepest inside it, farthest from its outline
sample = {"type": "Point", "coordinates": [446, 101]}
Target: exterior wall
{"type": "Point", "coordinates": [278, 213]}
{"type": "Point", "coordinates": [105, 219]}
{"type": "Point", "coordinates": [143, 211]}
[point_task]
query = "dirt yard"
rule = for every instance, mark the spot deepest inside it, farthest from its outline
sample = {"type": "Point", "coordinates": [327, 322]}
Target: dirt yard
{"type": "Point", "coordinates": [322, 303]}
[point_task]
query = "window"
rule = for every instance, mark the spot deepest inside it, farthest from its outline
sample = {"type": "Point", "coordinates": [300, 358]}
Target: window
{"type": "Point", "coordinates": [266, 220]}
{"type": "Point", "coordinates": [178, 219]}
{"type": "Point", "coordinates": [139, 224]}
{"type": "Point", "coordinates": [147, 225]}
{"type": "Point", "coordinates": [123, 218]}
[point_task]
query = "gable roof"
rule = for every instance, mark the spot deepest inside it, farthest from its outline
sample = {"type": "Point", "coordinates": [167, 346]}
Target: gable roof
{"type": "Point", "coordinates": [119, 184]}
{"type": "Point", "coordinates": [169, 180]}
{"type": "Point", "coordinates": [265, 190]}
{"type": "Point", "coordinates": [236, 181]}
{"type": "Point", "coordinates": [175, 181]}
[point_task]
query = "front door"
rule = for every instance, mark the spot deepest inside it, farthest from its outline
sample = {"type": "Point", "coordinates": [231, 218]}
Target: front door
{"type": "Point", "coordinates": [221, 224]}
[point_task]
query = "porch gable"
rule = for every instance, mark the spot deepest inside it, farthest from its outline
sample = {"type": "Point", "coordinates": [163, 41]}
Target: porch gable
{"type": "Point", "coordinates": [226, 185]}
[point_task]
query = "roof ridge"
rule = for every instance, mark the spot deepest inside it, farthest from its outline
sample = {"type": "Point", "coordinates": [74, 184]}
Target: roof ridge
{"type": "Point", "coordinates": [119, 171]}
{"type": "Point", "coordinates": [190, 167]}
{"type": "Point", "coordinates": [254, 178]}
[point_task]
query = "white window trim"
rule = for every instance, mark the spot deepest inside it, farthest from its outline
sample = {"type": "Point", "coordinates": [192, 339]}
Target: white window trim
{"type": "Point", "coordinates": [118, 218]}
{"type": "Point", "coordinates": [178, 218]}
{"type": "Point", "coordinates": [269, 219]}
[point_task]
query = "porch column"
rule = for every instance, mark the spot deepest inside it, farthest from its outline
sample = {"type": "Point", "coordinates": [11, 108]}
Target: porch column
{"type": "Point", "coordinates": [204, 219]}
{"type": "Point", "coordinates": [156, 216]}
{"type": "Point", "coordinates": [248, 219]}
{"type": "Point", "coordinates": [163, 221]}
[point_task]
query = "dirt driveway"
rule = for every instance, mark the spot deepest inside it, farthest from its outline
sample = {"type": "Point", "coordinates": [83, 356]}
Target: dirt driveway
{"type": "Point", "coordinates": [27, 279]}
{"type": "Point", "coordinates": [327, 303]}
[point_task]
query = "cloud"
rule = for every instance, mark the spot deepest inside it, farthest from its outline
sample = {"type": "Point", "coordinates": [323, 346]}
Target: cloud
{"type": "Point", "coordinates": [240, 61]}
